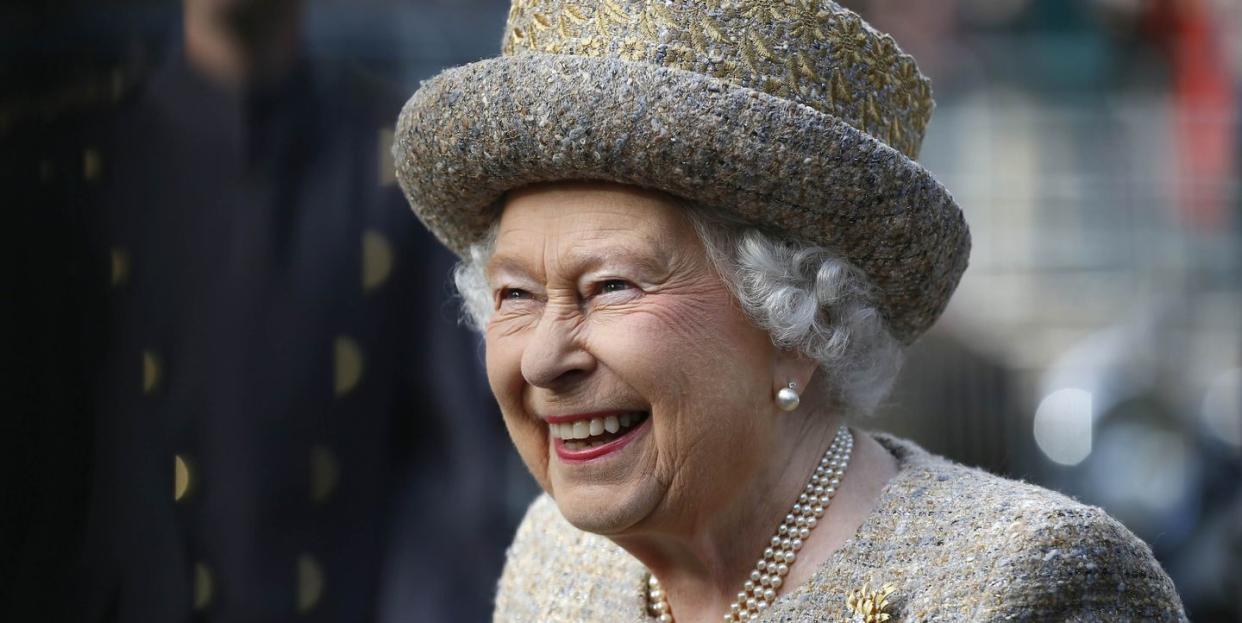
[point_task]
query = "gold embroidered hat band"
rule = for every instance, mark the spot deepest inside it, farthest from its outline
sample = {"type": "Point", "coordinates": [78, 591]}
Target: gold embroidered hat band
{"type": "Point", "coordinates": [794, 115]}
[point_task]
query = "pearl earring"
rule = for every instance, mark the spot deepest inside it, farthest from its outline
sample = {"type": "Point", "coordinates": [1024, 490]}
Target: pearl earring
{"type": "Point", "coordinates": [787, 398]}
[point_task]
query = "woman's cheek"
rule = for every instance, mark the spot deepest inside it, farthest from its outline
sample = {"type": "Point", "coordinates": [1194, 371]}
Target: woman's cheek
{"type": "Point", "coordinates": [503, 365]}
{"type": "Point", "coordinates": [532, 447]}
{"type": "Point", "coordinates": [504, 375]}
{"type": "Point", "coordinates": [663, 352]}
{"type": "Point", "coordinates": [685, 328]}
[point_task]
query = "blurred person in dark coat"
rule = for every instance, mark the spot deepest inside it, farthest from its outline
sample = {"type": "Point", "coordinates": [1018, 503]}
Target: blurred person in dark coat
{"type": "Point", "coordinates": [289, 421]}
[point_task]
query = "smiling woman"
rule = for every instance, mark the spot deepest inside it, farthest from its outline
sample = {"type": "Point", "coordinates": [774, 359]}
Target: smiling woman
{"type": "Point", "coordinates": [695, 267]}
{"type": "Point", "coordinates": [569, 350]}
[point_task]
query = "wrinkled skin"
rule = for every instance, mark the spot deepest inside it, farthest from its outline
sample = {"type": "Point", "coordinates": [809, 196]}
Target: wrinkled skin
{"type": "Point", "coordinates": [605, 300]}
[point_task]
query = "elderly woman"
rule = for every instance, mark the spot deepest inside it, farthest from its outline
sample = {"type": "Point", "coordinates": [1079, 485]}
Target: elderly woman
{"type": "Point", "coordinates": [696, 240]}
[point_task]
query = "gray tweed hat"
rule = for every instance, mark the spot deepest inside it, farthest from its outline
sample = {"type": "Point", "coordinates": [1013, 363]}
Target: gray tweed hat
{"type": "Point", "coordinates": [794, 115]}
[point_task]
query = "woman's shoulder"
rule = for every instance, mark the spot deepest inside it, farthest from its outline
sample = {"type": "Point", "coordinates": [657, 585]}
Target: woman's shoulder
{"type": "Point", "coordinates": [556, 572]}
{"type": "Point", "coordinates": [959, 543]}
{"type": "Point", "coordinates": [931, 492]}
{"type": "Point", "coordinates": [982, 512]}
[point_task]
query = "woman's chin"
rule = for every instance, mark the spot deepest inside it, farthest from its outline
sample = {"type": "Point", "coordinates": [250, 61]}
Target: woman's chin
{"type": "Point", "coordinates": [606, 510]}
{"type": "Point", "coordinates": [605, 488]}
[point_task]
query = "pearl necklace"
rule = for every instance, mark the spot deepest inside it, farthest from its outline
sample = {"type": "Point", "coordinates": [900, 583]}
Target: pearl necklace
{"type": "Point", "coordinates": [769, 573]}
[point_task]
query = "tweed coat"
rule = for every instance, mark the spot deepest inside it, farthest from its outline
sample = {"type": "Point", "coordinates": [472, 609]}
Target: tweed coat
{"type": "Point", "coordinates": [957, 543]}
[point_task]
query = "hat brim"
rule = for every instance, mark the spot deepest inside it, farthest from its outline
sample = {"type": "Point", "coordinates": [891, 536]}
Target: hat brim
{"type": "Point", "coordinates": [474, 132]}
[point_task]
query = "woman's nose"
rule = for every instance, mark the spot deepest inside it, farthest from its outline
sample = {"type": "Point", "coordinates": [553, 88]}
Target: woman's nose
{"type": "Point", "coordinates": [555, 355]}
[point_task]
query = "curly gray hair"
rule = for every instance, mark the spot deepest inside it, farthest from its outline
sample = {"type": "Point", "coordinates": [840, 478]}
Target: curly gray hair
{"type": "Point", "coordinates": [806, 297]}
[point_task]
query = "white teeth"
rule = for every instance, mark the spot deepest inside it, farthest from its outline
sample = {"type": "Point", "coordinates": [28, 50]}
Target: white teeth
{"type": "Point", "coordinates": [585, 429]}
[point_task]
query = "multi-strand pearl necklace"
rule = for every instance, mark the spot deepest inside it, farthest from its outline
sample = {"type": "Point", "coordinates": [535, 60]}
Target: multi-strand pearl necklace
{"type": "Point", "coordinates": [769, 573]}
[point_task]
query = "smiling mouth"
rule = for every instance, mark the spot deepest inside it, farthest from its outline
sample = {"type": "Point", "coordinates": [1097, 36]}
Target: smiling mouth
{"type": "Point", "coordinates": [596, 431]}
{"type": "Point", "coordinates": [580, 437]}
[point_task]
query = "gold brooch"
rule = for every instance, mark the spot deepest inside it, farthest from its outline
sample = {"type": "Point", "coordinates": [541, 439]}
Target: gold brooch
{"type": "Point", "coordinates": [870, 605]}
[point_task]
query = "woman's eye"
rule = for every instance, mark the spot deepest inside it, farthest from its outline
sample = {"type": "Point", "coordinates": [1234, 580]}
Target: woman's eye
{"type": "Point", "coordinates": [613, 285]}
{"type": "Point", "coordinates": [513, 294]}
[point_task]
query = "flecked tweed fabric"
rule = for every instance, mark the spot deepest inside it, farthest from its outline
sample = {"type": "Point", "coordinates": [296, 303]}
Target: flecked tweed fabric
{"type": "Point", "coordinates": [794, 115]}
{"type": "Point", "coordinates": [958, 544]}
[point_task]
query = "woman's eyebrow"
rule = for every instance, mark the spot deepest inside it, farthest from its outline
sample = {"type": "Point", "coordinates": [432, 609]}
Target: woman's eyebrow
{"type": "Point", "coordinates": [501, 263]}
{"type": "Point", "coordinates": [599, 258]}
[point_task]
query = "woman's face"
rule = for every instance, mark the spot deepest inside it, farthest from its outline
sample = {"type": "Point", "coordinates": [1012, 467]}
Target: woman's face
{"type": "Point", "coordinates": [610, 324]}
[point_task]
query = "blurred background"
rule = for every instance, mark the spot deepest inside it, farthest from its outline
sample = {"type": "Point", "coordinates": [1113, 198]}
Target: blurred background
{"type": "Point", "coordinates": [239, 393]}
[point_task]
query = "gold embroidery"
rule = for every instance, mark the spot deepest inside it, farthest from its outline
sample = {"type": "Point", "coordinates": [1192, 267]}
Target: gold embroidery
{"type": "Point", "coordinates": [698, 37]}
{"type": "Point", "coordinates": [761, 47]}
{"type": "Point", "coordinates": [895, 134]}
{"type": "Point", "coordinates": [599, 45]}
{"type": "Point", "coordinates": [515, 10]}
{"type": "Point", "coordinates": [655, 16]}
{"type": "Point", "coordinates": [574, 14]}
{"type": "Point", "coordinates": [884, 54]}
{"type": "Point", "coordinates": [798, 90]}
{"type": "Point", "coordinates": [764, 10]}
{"type": "Point", "coordinates": [613, 12]}
{"type": "Point", "coordinates": [806, 50]}
{"type": "Point", "coordinates": [803, 66]}
{"type": "Point", "coordinates": [516, 37]}
{"type": "Point", "coordinates": [632, 49]}
{"type": "Point", "coordinates": [839, 92]}
{"type": "Point", "coordinates": [808, 28]}
{"type": "Point", "coordinates": [607, 15]}
{"type": "Point", "coordinates": [748, 55]}
{"type": "Point", "coordinates": [680, 56]}
{"type": "Point", "coordinates": [847, 40]}
{"type": "Point", "coordinates": [648, 27]}
{"type": "Point", "coordinates": [872, 119]}
{"type": "Point", "coordinates": [777, 87]}
{"type": "Point", "coordinates": [711, 29]}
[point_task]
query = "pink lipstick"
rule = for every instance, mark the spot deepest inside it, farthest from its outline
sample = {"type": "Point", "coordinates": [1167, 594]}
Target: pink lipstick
{"type": "Point", "coordinates": [585, 437]}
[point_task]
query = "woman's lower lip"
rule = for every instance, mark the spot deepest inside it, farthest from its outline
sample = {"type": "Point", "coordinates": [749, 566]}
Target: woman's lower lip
{"type": "Point", "coordinates": [589, 454]}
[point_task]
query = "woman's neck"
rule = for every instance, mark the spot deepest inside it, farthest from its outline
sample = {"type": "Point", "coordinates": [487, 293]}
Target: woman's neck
{"type": "Point", "coordinates": [703, 564]}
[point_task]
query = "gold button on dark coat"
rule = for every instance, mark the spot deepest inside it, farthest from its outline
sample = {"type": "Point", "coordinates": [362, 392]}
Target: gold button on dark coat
{"type": "Point", "coordinates": [276, 324]}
